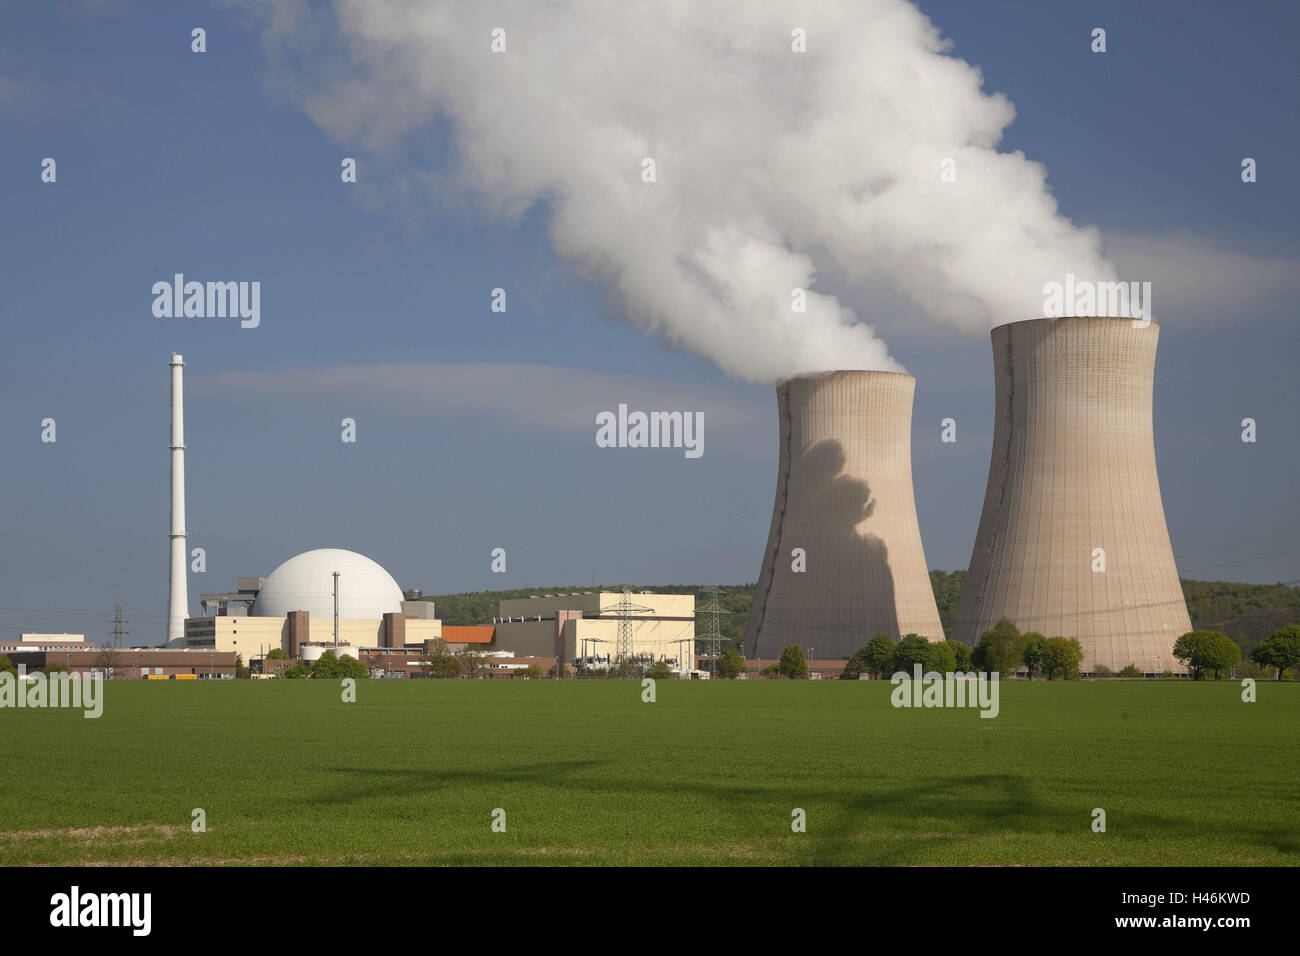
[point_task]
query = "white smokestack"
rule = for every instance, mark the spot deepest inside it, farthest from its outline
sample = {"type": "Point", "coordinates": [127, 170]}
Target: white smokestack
{"type": "Point", "coordinates": [179, 605]}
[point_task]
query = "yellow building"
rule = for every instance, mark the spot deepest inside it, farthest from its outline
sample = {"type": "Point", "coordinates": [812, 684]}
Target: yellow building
{"type": "Point", "coordinates": [585, 625]}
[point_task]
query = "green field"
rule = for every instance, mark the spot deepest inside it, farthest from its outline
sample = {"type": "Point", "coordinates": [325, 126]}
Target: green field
{"type": "Point", "coordinates": [708, 774]}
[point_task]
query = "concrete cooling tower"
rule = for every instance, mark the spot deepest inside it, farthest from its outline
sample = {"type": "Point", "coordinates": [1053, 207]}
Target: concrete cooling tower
{"type": "Point", "coordinates": [1072, 541]}
{"type": "Point", "coordinates": [844, 500]}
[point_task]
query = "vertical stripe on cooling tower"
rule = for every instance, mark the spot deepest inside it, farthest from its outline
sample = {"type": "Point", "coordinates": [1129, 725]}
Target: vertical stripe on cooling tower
{"type": "Point", "coordinates": [773, 552]}
{"type": "Point", "coordinates": [999, 515]}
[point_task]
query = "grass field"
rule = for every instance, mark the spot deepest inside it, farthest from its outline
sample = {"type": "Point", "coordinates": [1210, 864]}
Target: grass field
{"type": "Point", "coordinates": [708, 774]}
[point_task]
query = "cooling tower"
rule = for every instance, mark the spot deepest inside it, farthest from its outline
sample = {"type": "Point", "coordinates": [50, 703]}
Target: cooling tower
{"type": "Point", "coordinates": [844, 498]}
{"type": "Point", "coordinates": [179, 606]}
{"type": "Point", "coordinates": [1072, 484]}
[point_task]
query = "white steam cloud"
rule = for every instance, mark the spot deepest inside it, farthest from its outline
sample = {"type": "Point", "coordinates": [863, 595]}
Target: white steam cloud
{"type": "Point", "coordinates": [768, 161]}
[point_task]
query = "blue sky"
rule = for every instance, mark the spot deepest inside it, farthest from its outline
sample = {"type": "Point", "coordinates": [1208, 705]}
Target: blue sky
{"type": "Point", "coordinates": [174, 162]}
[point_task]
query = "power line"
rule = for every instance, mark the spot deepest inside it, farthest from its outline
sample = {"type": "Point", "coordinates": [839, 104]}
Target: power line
{"type": "Point", "coordinates": [62, 613]}
{"type": "Point", "coordinates": [1220, 547]}
{"type": "Point", "coordinates": [1258, 557]}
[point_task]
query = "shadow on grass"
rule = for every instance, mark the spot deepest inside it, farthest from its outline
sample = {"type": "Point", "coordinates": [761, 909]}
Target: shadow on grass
{"type": "Point", "coordinates": [882, 826]}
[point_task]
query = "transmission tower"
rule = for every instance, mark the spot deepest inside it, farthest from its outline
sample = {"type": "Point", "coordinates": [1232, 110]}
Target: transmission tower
{"type": "Point", "coordinates": [118, 632]}
{"type": "Point", "coordinates": [712, 638]}
{"type": "Point", "coordinates": [624, 610]}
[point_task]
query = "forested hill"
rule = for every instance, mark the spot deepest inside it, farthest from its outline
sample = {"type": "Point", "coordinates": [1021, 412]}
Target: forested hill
{"type": "Point", "coordinates": [1245, 612]}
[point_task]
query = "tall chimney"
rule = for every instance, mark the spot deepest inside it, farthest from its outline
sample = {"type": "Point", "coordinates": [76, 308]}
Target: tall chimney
{"type": "Point", "coordinates": [1072, 541]}
{"type": "Point", "coordinates": [179, 606]}
{"type": "Point", "coordinates": [844, 500]}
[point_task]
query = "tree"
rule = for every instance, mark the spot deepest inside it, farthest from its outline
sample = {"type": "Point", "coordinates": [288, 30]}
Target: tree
{"type": "Point", "coordinates": [731, 664]}
{"type": "Point", "coordinates": [660, 670]}
{"type": "Point", "coordinates": [1185, 649]}
{"type": "Point", "coordinates": [876, 659]}
{"type": "Point", "coordinates": [324, 666]}
{"type": "Point", "coordinates": [961, 653]}
{"type": "Point", "coordinates": [241, 669]}
{"type": "Point", "coordinates": [437, 661]}
{"type": "Point", "coordinates": [277, 654]}
{"type": "Point", "coordinates": [940, 656]}
{"type": "Point", "coordinates": [911, 650]}
{"type": "Point", "coordinates": [532, 670]}
{"type": "Point", "coordinates": [1035, 648]}
{"type": "Point", "coordinates": [771, 670]}
{"type": "Point", "coordinates": [1130, 671]}
{"type": "Point", "coordinates": [878, 656]}
{"type": "Point", "coordinates": [793, 664]}
{"type": "Point", "coordinates": [7, 666]}
{"type": "Point", "coordinates": [853, 666]}
{"type": "Point", "coordinates": [1000, 650]}
{"type": "Point", "coordinates": [329, 667]}
{"type": "Point", "coordinates": [1203, 651]}
{"type": "Point", "coordinates": [472, 659]}
{"type": "Point", "coordinates": [1282, 650]}
{"type": "Point", "coordinates": [106, 660]}
{"type": "Point", "coordinates": [1250, 668]}
{"type": "Point", "coordinates": [297, 671]}
{"type": "Point", "coordinates": [1062, 655]}
{"type": "Point", "coordinates": [54, 667]}
{"type": "Point", "coordinates": [352, 667]}
{"type": "Point", "coordinates": [1102, 671]}
{"type": "Point", "coordinates": [1217, 652]}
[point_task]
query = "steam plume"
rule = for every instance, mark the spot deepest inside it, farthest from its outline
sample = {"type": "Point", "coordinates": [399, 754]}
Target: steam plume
{"type": "Point", "coordinates": [768, 161]}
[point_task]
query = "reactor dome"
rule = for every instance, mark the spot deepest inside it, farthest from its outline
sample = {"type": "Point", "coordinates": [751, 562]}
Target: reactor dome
{"type": "Point", "coordinates": [306, 583]}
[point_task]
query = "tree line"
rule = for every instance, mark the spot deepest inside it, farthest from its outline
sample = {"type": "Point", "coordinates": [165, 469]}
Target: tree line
{"type": "Point", "coordinates": [1246, 613]}
{"type": "Point", "coordinates": [1005, 650]}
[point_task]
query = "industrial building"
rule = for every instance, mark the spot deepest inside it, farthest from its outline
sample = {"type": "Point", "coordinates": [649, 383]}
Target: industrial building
{"type": "Point", "coordinates": [332, 599]}
{"type": "Point", "coordinates": [296, 606]}
{"type": "Point", "coordinates": [38, 651]}
{"type": "Point", "coordinates": [844, 560]}
{"type": "Point", "coordinates": [586, 625]}
{"type": "Point", "coordinates": [1072, 540]}
{"type": "Point", "coordinates": [294, 609]}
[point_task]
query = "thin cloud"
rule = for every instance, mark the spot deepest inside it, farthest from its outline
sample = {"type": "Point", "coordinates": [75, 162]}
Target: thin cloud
{"type": "Point", "coordinates": [1192, 277]}
{"type": "Point", "coordinates": [538, 396]}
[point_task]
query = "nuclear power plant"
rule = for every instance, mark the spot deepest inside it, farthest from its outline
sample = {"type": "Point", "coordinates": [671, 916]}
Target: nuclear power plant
{"type": "Point", "coordinates": [1072, 541]}
{"type": "Point", "coordinates": [341, 601]}
{"type": "Point", "coordinates": [844, 560]}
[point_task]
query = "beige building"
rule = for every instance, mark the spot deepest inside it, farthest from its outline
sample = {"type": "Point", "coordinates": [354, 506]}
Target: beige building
{"type": "Point", "coordinates": [1072, 541]}
{"type": "Point", "coordinates": [52, 638]}
{"type": "Point", "coordinates": [294, 608]}
{"type": "Point", "coordinates": [844, 560]}
{"type": "Point", "coordinates": [585, 624]}
{"type": "Point", "coordinates": [255, 636]}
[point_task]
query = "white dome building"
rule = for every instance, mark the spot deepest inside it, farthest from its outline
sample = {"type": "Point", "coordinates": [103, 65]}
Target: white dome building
{"type": "Point", "coordinates": [306, 583]}
{"type": "Point", "coordinates": [293, 610]}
